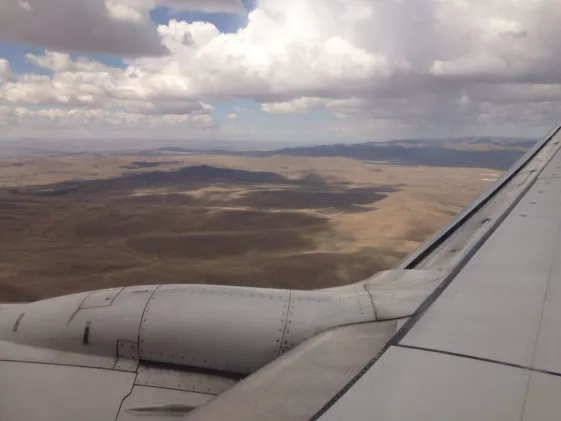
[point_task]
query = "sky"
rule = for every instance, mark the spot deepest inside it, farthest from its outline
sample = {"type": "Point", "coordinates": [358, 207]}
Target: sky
{"type": "Point", "coordinates": [279, 70]}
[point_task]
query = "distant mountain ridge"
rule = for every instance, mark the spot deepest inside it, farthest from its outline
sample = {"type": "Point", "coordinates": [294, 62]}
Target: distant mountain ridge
{"type": "Point", "coordinates": [432, 156]}
{"type": "Point", "coordinates": [477, 152]}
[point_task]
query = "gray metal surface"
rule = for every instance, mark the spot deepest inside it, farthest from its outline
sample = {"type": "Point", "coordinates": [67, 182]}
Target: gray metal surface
{"type": "Point", "coordinates": [116, 328]}
{"type": "Point", "coordinates": [543, 401]}
{"type": "Point", "coordinates": [493, 308]}
{"type": "Point", "coordinates": [183, 379]}
{"type": "Point", "coordinates": [407, 384]}
{"type": "Point", "coordinates": [296, 385]}
{"type": "Point", "coordinates": [548, 349]}
{"type": "Point", "coordinates": [127, 356]}
{"type": "Point", "coordinates": [311, 312]}
{"type": "Point", "coordinates": [61, 331]}
{"type": "Point", "coordinates": [46, 392]}
{"type": "Point", "coordinates": [239, 330]}
{"type": "Point", "coordinates": [157, 404]}
{"type": "Point", "coordinates": [397, 293]}
{"type": "Point", "coordinates": [100, 298]}
{"type": "Point", "coordinates": [222, 328]}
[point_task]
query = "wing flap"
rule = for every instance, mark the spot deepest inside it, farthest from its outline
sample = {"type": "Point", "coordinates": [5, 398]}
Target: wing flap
{"type": "Point", "coordinates": [296, 385]}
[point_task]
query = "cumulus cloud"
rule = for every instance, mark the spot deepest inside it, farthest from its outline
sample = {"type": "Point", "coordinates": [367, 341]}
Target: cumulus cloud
{"type": "Point", "coordinates": [414, 64]}
{"type": "Point", "coordinates": [121, 27]}
{"type": "Point", "coordinates": [88, 84]}
{"type": "Point", "coordinates": [56, 122]}
{"type": "Point", "coordinates": [5, 72]}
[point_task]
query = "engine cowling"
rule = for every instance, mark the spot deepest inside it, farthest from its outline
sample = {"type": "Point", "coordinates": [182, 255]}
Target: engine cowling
{"type": "Point", "coordinates": [223, 328]}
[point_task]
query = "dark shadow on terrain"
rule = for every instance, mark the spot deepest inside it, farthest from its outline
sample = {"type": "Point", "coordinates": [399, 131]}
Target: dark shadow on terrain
{"type": "Point", "coordinates": [257, 220]}
{"type": "Point", "coordinates": [147, 164]}
{"type": "Point", "coordinates": [311, 191]}
{"type": "Point", "coordinates": [191, 176]}
{"type": "Point", "coordinates": [340, 199]}
{"type": "Point", "coordinates": [418, 152]}
{"type": "Point", "coordinates": [517, 143]}
{"type": "Point", "coordinates": [172, 199]}
{"type": "Point", "coordinates": [433, 156]}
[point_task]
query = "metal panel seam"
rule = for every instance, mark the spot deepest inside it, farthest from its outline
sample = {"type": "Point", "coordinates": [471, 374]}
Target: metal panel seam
{"type": "Point", "coordinates": [111, 302]}
{"type": "Point", "coordinates": [140, 324]}
{"type": "Point", "coordinates": [472, 357]}
{"type": "Point", "coordinates": [551, 264]}
{"type": "Point", "coordinates": [171, 388]}
{"type": "Point", "coordinates": [79, 307]}
{"type": "Point", "coordinates": [279, 352]}
{"type": "Point", "coordinates": [371, 300]}
{"type": "Point", "coordinates": [7, 360]}
{"type": "Point", "coordinates": [127, 395]}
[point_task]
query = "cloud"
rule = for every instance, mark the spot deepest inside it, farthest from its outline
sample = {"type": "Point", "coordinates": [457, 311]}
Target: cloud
{"type": "Point", "coordinates": [386, 67]}
{"type": "Point", "coordinates": [97, 26]}
{"type": "Point", "coordinates": [206, 6]}
{"type": "Point", "coordinates": [56, 122]}
{"type": "Point", "coordinates": [303, 104]}
{"type": "Point", "coordinates": [84, 95]}
{"type": "Point", "coordinates": [83, 83]}
{"type": "Point", "coordinates": [121, 27]}
{"type": "Point", "coordinates": [5, 72]}
{"type": "Point", "coordinates": [242, 110]}
{"type": "Point", "coordinates": [233, 115]}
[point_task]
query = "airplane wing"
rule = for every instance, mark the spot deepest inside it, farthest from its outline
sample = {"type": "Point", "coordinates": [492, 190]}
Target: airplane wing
{"type": "Point", "coordinates": [486, 344]}
{"type": "Point", "coordinates": [465, 328]}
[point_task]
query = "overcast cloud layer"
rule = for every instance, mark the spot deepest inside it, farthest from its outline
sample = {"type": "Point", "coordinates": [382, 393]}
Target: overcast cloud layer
{"type": "Point", "coordinates": [376, 68]}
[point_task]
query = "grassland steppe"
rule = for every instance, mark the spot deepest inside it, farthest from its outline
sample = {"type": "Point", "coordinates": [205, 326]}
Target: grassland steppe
{"type": "Point", "coordinates": [86, 221]}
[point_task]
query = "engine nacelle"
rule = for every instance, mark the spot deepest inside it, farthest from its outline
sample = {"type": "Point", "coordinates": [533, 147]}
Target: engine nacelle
{"type": "Point", "coordinates": [228, 329]}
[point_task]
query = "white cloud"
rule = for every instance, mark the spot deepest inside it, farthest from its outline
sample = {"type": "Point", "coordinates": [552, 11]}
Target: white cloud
{"type": "Point", "coordinates": [61, 62]}
{"type": "Point", "coordinates": [232, 116]}
{"type": "Point", "coordinates": [303, 104]}
{"type": "Point", "coordinates": [410, 64]}
{"type": "Point", "coordinates": [89, 84]}
{"type": "Point", "coordinates": [242, 110]}
{"type": "Point", "coordinates": [120, 11]}
{"type": "Point", "coordinates": [56, 122]}
{"type": "Point", "coordinates": [5, 72]}
{"type": "Point", "coordinates": [25, 5]}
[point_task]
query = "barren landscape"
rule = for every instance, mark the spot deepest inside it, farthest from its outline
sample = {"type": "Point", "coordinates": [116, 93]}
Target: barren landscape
{"type": "Point", "coordinates": [86, 221]}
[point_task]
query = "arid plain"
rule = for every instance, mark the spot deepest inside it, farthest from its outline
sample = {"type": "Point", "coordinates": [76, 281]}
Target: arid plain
{"type": "Point", "coordinates": [86, 221]}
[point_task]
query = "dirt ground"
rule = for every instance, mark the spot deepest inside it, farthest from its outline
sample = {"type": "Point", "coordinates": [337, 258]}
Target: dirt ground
{"type": "Point", "coordinates": [88, 221]}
